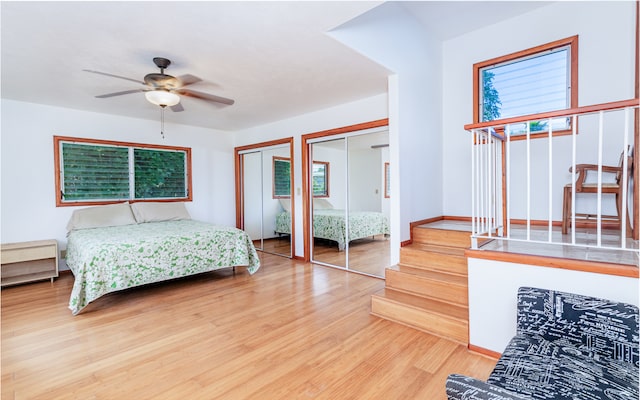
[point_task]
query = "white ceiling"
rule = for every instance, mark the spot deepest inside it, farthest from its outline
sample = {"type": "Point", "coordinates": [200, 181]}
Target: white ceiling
{"type": "Point", "coordinates": [273, 58]}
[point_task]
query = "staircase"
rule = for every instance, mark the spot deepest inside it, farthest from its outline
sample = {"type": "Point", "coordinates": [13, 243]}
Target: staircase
{"type": "Point", "coordinates": [427, 290]}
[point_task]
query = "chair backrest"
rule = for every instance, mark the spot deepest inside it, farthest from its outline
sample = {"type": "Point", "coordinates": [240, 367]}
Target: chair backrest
{"type": "Point", "coordinates": [629, 155]}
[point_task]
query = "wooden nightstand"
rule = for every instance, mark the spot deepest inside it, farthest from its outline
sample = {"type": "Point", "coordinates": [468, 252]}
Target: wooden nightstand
{"type": "Point", "coordinates": [28, 261]}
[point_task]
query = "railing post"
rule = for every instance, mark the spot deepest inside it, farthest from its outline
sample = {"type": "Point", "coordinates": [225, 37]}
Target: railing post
{"type": "Point", "coordinates": [550, 178]}
{"type": "Point", "coordinates": [599, 198]}
{"type": "Point", "coordinates": [528, 181]}
{"type": "Point", "coordinates": [574, 133]}
{"type": "Point", "coordinates": [625, 182]}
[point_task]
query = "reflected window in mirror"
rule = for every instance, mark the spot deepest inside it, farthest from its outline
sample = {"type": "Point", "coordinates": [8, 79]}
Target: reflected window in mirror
{"type": "Point", "coordinates": [281, 178]}
{"type": "Point", "coordinates": [320, 179]}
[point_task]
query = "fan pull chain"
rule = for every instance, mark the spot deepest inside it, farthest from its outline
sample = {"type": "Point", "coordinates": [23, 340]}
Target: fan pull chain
{"type": "Point", "coordinates": [162, 121]}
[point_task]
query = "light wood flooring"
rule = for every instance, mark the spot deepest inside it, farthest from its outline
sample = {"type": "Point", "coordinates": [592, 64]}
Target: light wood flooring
{"type": "Point", "coordinates": [368, 255]}
{"type": "Point", "coordinates": [292, 330]}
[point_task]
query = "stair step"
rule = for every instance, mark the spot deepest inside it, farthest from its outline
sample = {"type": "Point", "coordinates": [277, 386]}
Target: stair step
{"type": "Point", "coordinates": [440, 249]}
{"type": "Point", "coordinates": [428, 283]}
{"type": "Point", "coordinates": [444, 237]}
{"type": "Point", "coordinates": [436, 317]}
{"type": "Point", "coordinates": [443, 259]}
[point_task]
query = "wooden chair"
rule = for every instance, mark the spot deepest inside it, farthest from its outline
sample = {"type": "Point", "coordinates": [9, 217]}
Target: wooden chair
{"type": "Point", "coordinates": [607, 188]}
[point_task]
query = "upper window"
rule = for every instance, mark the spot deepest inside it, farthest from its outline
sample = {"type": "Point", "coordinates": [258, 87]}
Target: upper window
{"type": "Point", "coordinates": [281, 178]}
{"type": "Point", "coordinates": [92, 172]}
{"type": "Point", "coordinates": [537, 80]}
{"type": "Point", "coordinates": [320, 179]}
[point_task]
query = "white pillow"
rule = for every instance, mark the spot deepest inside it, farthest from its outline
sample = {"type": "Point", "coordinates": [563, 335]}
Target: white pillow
{"type": "Point", "coordinates": [100, 216]}
{"type": "Point", "coordinates": [286, 204]}
{"type": "Point", "coordinates": [322, 204]}
{"type": "Point", "coordinates": [159, 211]}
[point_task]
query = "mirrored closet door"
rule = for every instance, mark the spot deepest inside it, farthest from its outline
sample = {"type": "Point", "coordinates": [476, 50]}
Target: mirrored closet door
{"type": "Point", "coordinates": [349, 210]}
{"type": "Point", "coordinates": [265, 197]}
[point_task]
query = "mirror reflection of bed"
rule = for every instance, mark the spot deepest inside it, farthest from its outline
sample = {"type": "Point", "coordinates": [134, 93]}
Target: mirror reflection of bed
{"type": "Point", "coordinates": [353, 168]}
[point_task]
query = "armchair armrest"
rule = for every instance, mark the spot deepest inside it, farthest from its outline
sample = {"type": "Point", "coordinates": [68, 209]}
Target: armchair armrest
{"type": "Point", "coordinates": [580, 168]}
{"type": "Point", "coordinates": [460, 387]}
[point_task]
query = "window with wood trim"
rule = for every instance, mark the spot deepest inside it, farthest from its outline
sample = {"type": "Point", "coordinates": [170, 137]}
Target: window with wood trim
{"type": "Point", "coordinates": [532, 81]}
{"type": "Point", "coordinates": [92, 172]}
{"type": "Point", "coordinates": [281, 178]}
{"type": "Point", "coordinates": [320, 179]}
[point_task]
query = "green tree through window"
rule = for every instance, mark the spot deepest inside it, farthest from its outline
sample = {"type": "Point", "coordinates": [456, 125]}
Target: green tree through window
{"type": "Point", "coordinates": [281, 177]}
{"type": "Point", "coordinates": [100, 172]}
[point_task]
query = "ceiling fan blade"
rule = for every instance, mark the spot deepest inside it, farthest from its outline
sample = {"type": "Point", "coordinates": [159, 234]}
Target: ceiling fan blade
{"type": "Point", "coordinates": [177, 108]}
{"type": "Point", "coordinates": [188, 79]}
{"type": "Point", "coordinates": [114, 76]}
{"type": "Point", "coordinates": [205, 96]}
{"type": "Point", "coordinates": [104, 96]}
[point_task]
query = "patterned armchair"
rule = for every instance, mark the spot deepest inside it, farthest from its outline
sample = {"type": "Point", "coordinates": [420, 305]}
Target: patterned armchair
{"type": "Point", "coordinates": [567, 346]}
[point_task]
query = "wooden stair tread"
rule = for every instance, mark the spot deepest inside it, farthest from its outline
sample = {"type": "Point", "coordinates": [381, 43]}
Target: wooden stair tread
{"type": "Point", "coordinates": [462, 230]}
{"type": "Point", "coordinates": [439, 275]}
{"type": "Point", "coordinates": [444, 309]}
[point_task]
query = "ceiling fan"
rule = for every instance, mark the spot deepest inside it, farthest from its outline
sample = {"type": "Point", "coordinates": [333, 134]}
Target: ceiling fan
{"type": "Point", "coordinates": [164, 90]}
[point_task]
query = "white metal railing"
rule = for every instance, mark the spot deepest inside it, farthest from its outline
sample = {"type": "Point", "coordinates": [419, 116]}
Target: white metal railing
{"type": "Point", "coordinates": [497, 150]}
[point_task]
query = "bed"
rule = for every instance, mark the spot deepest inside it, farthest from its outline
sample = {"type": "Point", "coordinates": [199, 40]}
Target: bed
{"type": "Point", "coordinates": [329, 223]}
{"type": "Point", "coordinates": [123, 255]}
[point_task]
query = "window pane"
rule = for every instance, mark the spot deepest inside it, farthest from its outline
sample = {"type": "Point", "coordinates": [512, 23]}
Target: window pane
{"type": "Point", "coordinates": [526, 86]}
{"type": "Point", "coordinates": [94, 172]}
{"type": "Point", "coordinates": [159, 174]}
{"type": "Point", "coordinates": [281, 178]}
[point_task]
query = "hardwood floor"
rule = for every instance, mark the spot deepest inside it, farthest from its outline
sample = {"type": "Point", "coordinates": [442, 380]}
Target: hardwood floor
{"type": "Point", "coordinates": [292, 330]}
{"type": "Point", "coordinates": [368, 255]}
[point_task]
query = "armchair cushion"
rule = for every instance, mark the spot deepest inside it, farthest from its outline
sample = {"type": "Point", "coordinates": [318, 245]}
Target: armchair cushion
{"type": "Point", "coordinates": [541, 369]}
{"type": "Point", "coordinates": [567, 347]}
{"type": "Point", "coordinates": [467, 388]}
{"type": "Point", "coordinates": [599, 327]}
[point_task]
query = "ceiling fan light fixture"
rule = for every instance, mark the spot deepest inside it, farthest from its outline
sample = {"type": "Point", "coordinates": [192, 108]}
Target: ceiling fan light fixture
{"type": "Point", "coordinates": [162, 97]}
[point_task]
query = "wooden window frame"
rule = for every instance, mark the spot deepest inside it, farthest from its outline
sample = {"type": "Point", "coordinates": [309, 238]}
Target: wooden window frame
{"type": "Point", "coordinates": [99, 142]}
{"type": "Point", "coordinates": [572, 42]}
{"type": "Point", "coordinates": [326, 180]}
{"type": "Point", "coordinates": [273, 180]}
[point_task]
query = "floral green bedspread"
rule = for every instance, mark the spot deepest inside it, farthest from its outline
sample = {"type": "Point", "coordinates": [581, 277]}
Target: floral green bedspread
{"type": "Point", "coordinates": [329, 224]}
{"type": "Point", "coordinates": [109, 259]}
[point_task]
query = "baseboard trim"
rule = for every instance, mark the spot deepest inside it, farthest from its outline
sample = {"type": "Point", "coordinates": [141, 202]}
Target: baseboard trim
{"type": "Point", "coordinates": [417, 223]}
{"type": "Point", "coordinates": [484, 352]}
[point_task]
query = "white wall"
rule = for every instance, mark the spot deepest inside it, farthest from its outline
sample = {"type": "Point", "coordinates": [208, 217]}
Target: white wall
{"type": "Point", "coordinates": [28, 208]}
{"type": "Point", "coordinates": [493, 287]}
{"type": "Point", "coordinates": [606, 33]}
{"type": "Point", "coordinates": [391, 36]}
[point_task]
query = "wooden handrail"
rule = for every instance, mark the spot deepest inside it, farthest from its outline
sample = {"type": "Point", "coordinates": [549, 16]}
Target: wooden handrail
{"type": "Point", "coordinates": [553, 114]}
